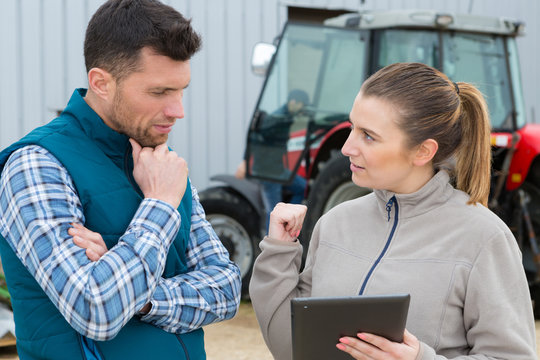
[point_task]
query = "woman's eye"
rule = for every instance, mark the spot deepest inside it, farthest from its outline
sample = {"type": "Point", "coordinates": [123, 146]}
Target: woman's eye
{"type": "Point", "coordinates": [367, 136]}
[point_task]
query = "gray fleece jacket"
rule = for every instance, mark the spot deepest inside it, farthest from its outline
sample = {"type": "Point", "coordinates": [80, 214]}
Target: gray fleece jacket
{"type": "Point", "coordinates": [459, 262]}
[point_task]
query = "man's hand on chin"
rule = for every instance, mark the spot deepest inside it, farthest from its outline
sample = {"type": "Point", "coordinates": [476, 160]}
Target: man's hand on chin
{"type": "Point", "coordinates": [160, 173]}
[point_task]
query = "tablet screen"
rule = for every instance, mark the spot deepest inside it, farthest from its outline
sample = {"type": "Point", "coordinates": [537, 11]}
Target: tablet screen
{"type": "Point", "coordinates": [318, 323]}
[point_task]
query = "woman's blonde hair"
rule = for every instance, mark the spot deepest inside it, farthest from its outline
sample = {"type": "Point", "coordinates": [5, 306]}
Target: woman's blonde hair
{"type": "Point", "coordinates": [455, 115]}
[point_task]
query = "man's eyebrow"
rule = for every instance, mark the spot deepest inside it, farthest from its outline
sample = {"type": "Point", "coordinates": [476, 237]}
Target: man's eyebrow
{"type": "Point", "coordinates": [166, 88]}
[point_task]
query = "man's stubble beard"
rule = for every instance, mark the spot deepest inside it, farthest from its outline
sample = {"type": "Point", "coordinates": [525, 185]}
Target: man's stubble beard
{"type": "Point", "coordinates": [120, 118]}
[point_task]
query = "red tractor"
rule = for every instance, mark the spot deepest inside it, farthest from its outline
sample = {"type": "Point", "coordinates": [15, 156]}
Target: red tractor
{"type": "Point", "coordinates": [329, 62]}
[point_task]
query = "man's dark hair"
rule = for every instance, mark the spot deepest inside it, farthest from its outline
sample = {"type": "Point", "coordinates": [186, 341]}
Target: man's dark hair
{"type": "Point", "coordinates": [299, 96]}
{"type": "Point", "coordinates": [121, 28]}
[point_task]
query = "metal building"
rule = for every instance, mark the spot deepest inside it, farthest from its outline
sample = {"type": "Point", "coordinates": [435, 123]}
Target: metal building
{"type": "Point", "coordinates": [41, 62]}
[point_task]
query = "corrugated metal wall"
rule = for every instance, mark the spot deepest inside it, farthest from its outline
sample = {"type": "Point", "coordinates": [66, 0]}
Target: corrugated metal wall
{"type": "Point", "coordinates": [41, 63]}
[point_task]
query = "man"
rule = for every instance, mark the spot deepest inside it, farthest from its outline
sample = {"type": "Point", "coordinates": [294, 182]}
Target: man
{"type": "Point", "coordinates": [269, 147]}
{"type": "Point", "coordinates": [101, 173]}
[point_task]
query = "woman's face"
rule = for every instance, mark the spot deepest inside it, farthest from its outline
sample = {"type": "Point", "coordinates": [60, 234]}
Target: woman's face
{"type": "Point", "coordinates": [376, 148]}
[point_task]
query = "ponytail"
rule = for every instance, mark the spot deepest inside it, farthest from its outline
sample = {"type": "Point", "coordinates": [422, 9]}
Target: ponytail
{"type": "Point", "coordinates": [473, 157]}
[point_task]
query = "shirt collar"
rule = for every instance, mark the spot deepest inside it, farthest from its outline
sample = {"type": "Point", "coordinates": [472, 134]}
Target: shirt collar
{"type": "Point", "coordinates": [432, 195]}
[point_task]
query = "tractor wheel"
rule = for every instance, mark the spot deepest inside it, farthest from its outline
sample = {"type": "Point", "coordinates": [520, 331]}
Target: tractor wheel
{"type": "Point", "coordinates": [236, 224]}
{"type": "Point", "coordinates": [533, 206]}
{"type": "Point", "coordinates": [332, 187]}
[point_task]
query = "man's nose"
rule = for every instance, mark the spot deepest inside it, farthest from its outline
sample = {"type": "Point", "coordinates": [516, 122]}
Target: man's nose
{"type": "Point", "coordinates": [175, 108]}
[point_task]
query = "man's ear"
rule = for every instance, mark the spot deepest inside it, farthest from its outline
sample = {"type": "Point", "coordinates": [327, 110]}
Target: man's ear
{"type": "Point", "coordinates": [425, 152]}
{"type": "Point", "coordinates": [101, 83]}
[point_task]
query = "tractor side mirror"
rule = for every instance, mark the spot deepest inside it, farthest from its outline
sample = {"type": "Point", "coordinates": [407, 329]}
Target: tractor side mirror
{"type": "Point", "coordinates": [261, 58]}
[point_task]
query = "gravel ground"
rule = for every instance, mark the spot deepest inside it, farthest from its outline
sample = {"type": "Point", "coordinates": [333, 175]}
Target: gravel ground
{"type": "Point", "coordinates": [236, 339]}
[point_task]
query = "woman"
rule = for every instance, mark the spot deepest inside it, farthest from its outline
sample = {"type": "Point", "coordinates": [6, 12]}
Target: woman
{"type": "Point", "coordinates": [416, 233]}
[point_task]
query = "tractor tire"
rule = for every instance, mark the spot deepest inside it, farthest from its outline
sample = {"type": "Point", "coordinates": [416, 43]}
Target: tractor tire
{"type": "Point", "coordinates": [332, 187]}
{"type": "Point", "coordinates": [533, 193]}
{"type": "Point", "coordinates": [236, 224]}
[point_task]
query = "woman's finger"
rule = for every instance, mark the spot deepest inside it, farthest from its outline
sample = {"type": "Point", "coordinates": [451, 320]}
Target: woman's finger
{"type": "Point", "coordinates": [286, 221]}
{"type": "Point", "coordinates": [378, 341]}
{"type": "Point", "coordinates": [357, 348]}
{"type": "Point", "coordinates": [409, 338]}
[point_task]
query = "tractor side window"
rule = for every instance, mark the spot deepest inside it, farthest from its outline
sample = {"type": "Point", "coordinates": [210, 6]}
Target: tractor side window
{"type": "Point", "coordinates": [519, 102]}
{"type": "Point", "coordinates": [405, 46]}
{"type": "Point", "coordinates": [480, 60]}
{"type": "Point", "coordinates": [311, 85]}
{"type": "Point", "coordinates": [297, 59]}
{"type": "Point", "coordinates": [278, 131]}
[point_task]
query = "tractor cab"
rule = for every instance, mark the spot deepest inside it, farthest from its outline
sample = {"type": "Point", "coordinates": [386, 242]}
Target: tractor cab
{"type": "Point", "coordinates": [329, 63]}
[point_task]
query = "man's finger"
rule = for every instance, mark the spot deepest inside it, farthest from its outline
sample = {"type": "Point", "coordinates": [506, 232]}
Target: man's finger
{"type": "Point", "coordinates": [162, 148]}
{"type": "Point", "coordinates": [89, 235]}
{"type": "Point", "coordinates": [92, 255]}
{"type": "Point", "coordinates": [136, 150]}
{"type": "Point", "coordinates": [80, 242]}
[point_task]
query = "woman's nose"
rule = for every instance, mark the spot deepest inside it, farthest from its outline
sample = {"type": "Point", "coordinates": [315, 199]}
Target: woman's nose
{"type": "Point", "coordinates": [349, 148]}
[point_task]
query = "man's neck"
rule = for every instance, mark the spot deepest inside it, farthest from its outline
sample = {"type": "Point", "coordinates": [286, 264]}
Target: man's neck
{"type": "Point", "coordinates": [97, 105]}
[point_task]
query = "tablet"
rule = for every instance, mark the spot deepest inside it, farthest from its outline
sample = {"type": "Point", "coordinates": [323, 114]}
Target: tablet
{"type": "Point", "coordinates": [318, 323]}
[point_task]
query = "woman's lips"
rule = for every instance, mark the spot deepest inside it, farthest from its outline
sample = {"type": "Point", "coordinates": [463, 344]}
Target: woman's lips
{"type": "Point", "coordinates": [355, 168]}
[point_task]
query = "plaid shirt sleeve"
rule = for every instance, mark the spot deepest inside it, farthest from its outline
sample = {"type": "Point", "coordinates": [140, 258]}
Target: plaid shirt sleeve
{"type": "Point", "coordinates": [209, 292]}
{"type": "Point", "coordinates": [38, 202]}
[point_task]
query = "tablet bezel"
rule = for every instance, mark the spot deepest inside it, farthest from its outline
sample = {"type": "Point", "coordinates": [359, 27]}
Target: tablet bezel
{"type": "Point", "coordinates": [318, 322]}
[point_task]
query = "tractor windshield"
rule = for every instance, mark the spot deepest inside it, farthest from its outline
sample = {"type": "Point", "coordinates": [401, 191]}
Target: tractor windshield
{"type": "Point", "coordinates": [311, 85]}
{"type": "Point", "coordinates": [480, 59]}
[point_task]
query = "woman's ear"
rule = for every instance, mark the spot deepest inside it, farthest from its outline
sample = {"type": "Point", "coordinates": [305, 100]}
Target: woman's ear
{"type": "Point", "coordinates": [425, 152]}
{"type": "Point", "coordinates": [101, 83]}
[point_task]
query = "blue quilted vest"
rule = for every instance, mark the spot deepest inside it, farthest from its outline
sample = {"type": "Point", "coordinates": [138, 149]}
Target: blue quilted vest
{"type": "Point", "coordinates": [99, 161]}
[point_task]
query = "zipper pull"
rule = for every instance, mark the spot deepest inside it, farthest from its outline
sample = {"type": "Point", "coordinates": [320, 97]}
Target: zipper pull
{"type": "Point", "coordinates": [389, 206]}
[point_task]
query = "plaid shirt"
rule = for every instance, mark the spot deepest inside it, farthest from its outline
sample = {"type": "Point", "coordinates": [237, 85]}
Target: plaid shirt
{"type": "Point", "coordinates": [38, 202]}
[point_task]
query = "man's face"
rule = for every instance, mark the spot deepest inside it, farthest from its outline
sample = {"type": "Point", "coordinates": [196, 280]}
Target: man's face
{"type": "Point", "coordinates": [147, 102]}
{"type": "Point", "coordinates": [295, 106]}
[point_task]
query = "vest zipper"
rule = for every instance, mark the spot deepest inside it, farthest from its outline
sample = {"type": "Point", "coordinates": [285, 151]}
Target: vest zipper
{"type": "Point", "coordinates": [129, 174]}
{"type": "Point", "coordinates": [81, 346]}
{"type": "Point", "coordinates": [183, 346]}
{"type": "Point", "coordinates": [389, 204]}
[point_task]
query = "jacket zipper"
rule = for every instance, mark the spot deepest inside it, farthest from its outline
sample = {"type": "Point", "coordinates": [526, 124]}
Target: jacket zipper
{"type": "Point", "coordinates": [389, 204]}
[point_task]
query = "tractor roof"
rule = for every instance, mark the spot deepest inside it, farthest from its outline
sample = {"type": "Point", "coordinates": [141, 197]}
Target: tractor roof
{"type": "Point", "coordinates": [427, 19]}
